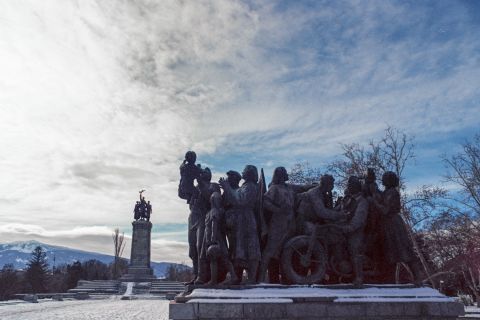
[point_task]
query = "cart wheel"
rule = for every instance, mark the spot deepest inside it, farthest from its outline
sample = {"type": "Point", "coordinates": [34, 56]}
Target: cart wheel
{"type": "Point", "coordinates": [296, 266]}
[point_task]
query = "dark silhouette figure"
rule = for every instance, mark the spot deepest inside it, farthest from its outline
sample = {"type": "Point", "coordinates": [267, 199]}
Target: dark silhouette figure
{"type": "Point", "coordinates": [137, 211]}
{"type": "Point", "coordinates": [189, 171]}
{"type": "Point", "coordinates": [316, 204]}
{"type": "Point", "coordinates": [247, 246]}
{"type": "Point", "coordinates": [398, 246]}
{"type": "Point", "coordinates": [231, 212]}
{"type": "Point", "coordinates": [355, 204]}
{"type": "Point", "coordinates": [148, 211]}
{"type": "Point", "coordinates": [279, 201]}
{"type": "Point", "coordinates": [214, 246]}
{"type": "Point", "coordinates": [199, 208]}
{"type": "Point", "coordinates": [143, 209]}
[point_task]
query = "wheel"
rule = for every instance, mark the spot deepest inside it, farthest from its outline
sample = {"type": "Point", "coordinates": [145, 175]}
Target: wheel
{"type": "Point", "coordinates": [342, 268]}
{"type": "Point", "coordinates": [296, 266]}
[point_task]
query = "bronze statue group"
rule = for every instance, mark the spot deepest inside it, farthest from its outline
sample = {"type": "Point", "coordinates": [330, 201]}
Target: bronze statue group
{"type": "Point", "coordinates": [293, 234]}
{"type": "Point", "coordinates": [143, 209]}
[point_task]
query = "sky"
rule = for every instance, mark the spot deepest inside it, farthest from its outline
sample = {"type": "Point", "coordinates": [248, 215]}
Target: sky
{"type": "Point", "coordinates": [99, 99]}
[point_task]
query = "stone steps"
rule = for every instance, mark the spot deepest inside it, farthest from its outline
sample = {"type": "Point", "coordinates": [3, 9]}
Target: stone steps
{"type": "Point", "coordinates": [160, 286]}
{"type": "Point", "coordinates": [97, 287]}
{"type": "Point", "coordinates": [115, 287]}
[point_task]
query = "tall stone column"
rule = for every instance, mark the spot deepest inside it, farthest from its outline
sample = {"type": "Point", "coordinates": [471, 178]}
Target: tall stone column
{"type": "Point", "coordinates": [139, 269]}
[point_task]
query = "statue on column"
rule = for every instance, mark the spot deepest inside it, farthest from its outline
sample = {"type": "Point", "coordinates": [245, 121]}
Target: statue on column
{"type": "Point", "coordinates": [143, 209]}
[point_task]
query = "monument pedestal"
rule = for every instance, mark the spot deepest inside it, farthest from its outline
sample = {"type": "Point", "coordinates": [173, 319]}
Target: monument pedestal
{"type": "Point", "coordinates": [139, 269]}
{"type": "Point", "coordinates": [316, 302]}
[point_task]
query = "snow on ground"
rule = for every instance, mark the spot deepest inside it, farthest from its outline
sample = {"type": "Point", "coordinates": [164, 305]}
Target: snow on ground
{"type": "Point", "coordinates": [472, 312]}
{"type": "Point", "coordinates": [102, 309]}
{"type": "Point", "coordinates": [342, 295]}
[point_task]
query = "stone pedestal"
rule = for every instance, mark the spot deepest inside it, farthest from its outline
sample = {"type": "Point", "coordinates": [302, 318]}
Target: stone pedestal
{"type": "Point", "coordinates": [316, 302]}
{"type": "Point", "coordinates": [139, 269]}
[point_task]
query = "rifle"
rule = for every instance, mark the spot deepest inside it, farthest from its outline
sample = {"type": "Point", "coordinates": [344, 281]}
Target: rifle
{"type": "Point", "coordinates": [261, 191]}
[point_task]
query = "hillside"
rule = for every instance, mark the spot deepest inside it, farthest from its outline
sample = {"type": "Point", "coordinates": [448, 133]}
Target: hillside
{"type": "Point", "coordinates": [18, 253]}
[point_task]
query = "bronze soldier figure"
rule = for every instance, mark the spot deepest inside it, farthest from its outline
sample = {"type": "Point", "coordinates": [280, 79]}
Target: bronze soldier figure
{"type": "Point", "coordinates": [247, 244]}
{"type": "Point", "coordinates": [201, 206]}
{"type": "Point", "coordinates": [189, 171]}
{"type": "Point", "coordinates": [316, 204]}
{"type": "Point", "coordinates": [214, 246]}
{"type": "Point", "coordinates": [231, 212]}
{"type": "Point", "coordinates": [357, 206]}
{"type": "Point", "coordinates": [279, 200]}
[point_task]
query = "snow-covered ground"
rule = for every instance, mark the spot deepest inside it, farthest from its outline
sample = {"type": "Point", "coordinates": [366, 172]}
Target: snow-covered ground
{"type": "Point", "coordinates": [105, 309]}
{"type": "Point", "coordinates": [472, 312]}
{"type": "Point", "coordinates": [375, 294]}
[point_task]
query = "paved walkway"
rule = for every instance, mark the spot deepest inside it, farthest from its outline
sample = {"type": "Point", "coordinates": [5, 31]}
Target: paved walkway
{"type": "Point", "coordinates": [111, 308]}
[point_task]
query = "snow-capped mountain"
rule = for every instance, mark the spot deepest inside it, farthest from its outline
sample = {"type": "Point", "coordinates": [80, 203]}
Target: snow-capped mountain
{"type": "Point", "coordinates": [19, 253]}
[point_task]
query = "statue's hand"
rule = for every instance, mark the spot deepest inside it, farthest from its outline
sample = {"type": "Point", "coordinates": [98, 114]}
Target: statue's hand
{"type": "Point", "coordinates": [222, 181]}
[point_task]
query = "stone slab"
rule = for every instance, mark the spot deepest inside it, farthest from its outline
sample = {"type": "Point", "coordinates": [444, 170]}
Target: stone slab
{"type": "Point", "coordinates": [314, 302]}
{"type": "Point", "coordinates": [337, 311]}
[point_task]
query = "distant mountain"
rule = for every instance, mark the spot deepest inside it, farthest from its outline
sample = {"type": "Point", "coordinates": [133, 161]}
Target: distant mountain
{"type": "Point", "coordinates": [18, 253]}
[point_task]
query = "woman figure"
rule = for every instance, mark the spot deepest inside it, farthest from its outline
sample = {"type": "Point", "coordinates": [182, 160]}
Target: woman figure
{"type": "Point", "coordinates": [398, 246]}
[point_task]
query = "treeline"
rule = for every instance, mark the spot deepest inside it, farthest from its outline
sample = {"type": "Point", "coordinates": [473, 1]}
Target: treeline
{"type": "Point", "coordinates": [39, 277]}
{"type": "Point", "coordinates": [443, 218]}
{"type": "Point", "coordinates": [177, 272]}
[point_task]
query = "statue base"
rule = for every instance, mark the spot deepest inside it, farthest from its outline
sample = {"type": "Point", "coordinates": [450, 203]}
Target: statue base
{"type": "Point", "coordinates": [315, 302]}
{"type": "Point", "coordinates": [139, 269]}
{"type": "Point", "coordinates": [138, 274]}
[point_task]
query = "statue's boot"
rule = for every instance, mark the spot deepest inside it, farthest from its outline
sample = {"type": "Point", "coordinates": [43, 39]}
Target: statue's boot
{"type": "Point", "coordinates": [202, 272]}
{"type": "Point", "coordinates": [239, 274]}
{"type": "Point", "coordinates": [233, 276]}
{"type": "Point", "coordinates": [274, 271]}
{"type": "Point", "coordinates": [252, 271]}
{"type": "Point", "coordinates": [358, 271]}
{"type": "Point", "coordinates": [262, 272]}
{"type": "Point", "coordinates": [213, 274]}
{"type": "Point", "coordinates": [195, 269]}
{"type": "Point", "coordinates": [417, 272]}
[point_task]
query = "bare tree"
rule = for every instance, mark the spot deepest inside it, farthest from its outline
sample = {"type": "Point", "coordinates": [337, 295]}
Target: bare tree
{"type": "Point", "coordinates": [118, 245]}
{"type": "Point", "coordinates": [303, 173]}
{"type": "Point", "coordinates": [391, 153]}
{"type": "Point", "coordinates": [464, 171]}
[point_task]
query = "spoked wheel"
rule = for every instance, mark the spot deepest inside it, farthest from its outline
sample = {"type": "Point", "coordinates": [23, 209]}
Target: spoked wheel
{"type": "Point", "coordinates": [298, 267]}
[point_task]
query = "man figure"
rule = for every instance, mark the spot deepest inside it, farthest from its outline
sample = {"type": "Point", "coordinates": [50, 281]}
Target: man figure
{"type": "Point", "coordinates": [316, 205]}
{"type": "Point", "coordinates": [244, 199]}
{"type": "Point", "coordinates": [136, 211]}
{"type": "Point", "coordinates": [149, 210]}
{"type": "Point", "coordinates": [357, 207]}
{"type": "Point", "coordinates": [143, 207]}
{"type": "Point", "coordinates": [214, 242]}
{"type": "Point", "coordinates": [231, 212]}
{"type": "Point", "coordinates": [279, 200]}
{"type": "Point", "coordinates": [189, 171]}
{"type": "Point", "coordinates": [373, 240]}
{"type": "Point", "coordinates": [200, 207]}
